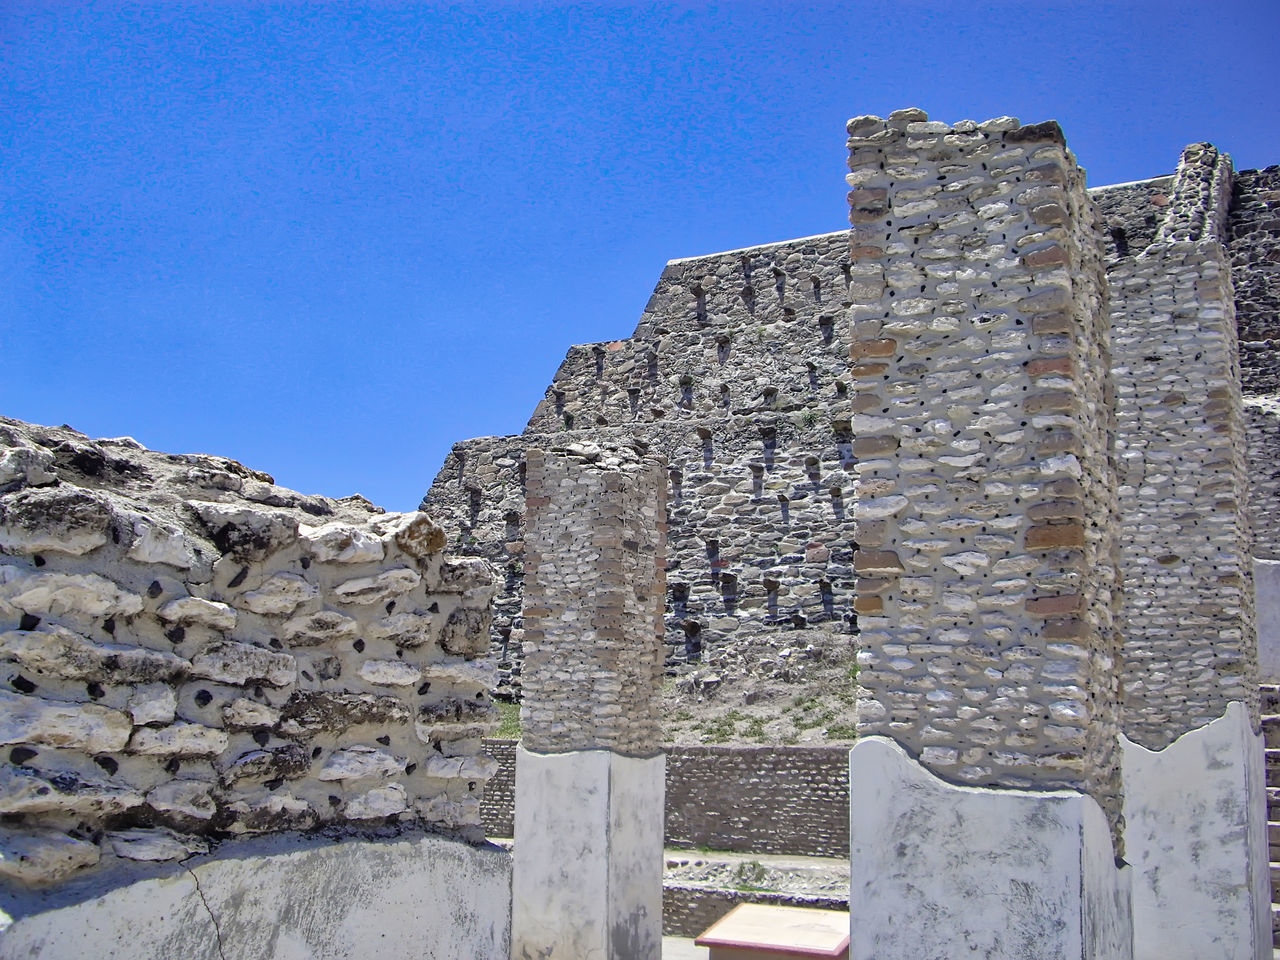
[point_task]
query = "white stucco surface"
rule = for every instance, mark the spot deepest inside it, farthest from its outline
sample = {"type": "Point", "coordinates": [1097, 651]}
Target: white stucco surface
{"type": "Point", "coordinates": [588, 856]}
{"type": "Point", "coordinates": [287, 898]}
{"type": "Point", "coordinates": [939, 870]}
{"type": "Point", "coordinates": [1266, 581]}
{"type": "Point", "coordinates": [1195, 836]}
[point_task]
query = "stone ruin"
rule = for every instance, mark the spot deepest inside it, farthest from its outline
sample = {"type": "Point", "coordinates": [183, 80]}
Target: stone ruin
{"type": "Point", "coordinates": [1000, 430]}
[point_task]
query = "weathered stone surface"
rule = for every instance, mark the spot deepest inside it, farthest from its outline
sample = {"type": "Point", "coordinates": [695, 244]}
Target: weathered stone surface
{"type": "Point", "coordinates": [238, 663]}
{"type": "Point", "coordinates": [279, 595]}
{"type": "Point", "coordinates": [28, 790]}
{"type": "Point", "coordinates": [287, 762]}
{"type": "Point", "coordinates": [185, 798]}
{"type": "Point", "coordinates": [65, 519]}
{"type": "Point", "coordinates": [271, 814]}
{"type": "Point", "coordinates": [455, 719]}
{"type": "Point", "coordinates": [179, 740]}
{"type": "Point", "coordinates": [245, 714]}
{"type": "Point", "coordinates": [311, 712]}
{"type": "Point", "coordinates": [63, 594]}
{"type": "Point", "coordinates": [415, 533]}
{"type": "Point", "coordinates": [40, 857]}
{"type": "Point", "coordinates": [379, 802]}
{"type": "Point", "coordinates": [341, 543]}
{"type": "Point", "coordinates": [61, 652]}
{"type": "Point", "coordinates": [23, 465]}
{"type": "Point", "coordinates": [197, 610]}
{"type": "Point", "coordinates": [153, 703]}
{"type": "Point", "coordinates": [244, 532]}
{"type": "Point", "coordinates": [466, 632]}
{"type": "Point", "coordinates": [358, 763]}
{"type": "Point", "coordinates": [154, 845]}
{"type": "Point", "coordinates": [313, 629]}
{"type": "Point", "coordinates": [403, 629]}
{"type": "Point", "coordinates": [161, 543]}
{"type": "Point", "coordinates": [391, 673]}
{"type": "Point", "coordinates": [387, 585]}
{"type": "Point", "coordinates": [84, 726]}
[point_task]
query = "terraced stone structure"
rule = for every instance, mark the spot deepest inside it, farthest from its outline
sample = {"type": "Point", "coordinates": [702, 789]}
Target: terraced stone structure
{"type": "Point", "coordinates": [193, 653]}
{"type": "Point", "coordinates": [738, 373]}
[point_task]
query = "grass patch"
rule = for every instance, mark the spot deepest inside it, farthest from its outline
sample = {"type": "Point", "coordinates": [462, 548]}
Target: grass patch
{"type": "Point", "coordinates": [509, 720]}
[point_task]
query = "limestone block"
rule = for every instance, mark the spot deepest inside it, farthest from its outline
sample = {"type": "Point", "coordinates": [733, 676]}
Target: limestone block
{"type": "Point", "coordinates": [55, 650]}
{"type": "Point", "coordinates": [390, 673]}
{"type": "Point", "coordinates": [83, 726]}
{"type": "Point", "coordinates": [179, 740]}
{"type": "Point", "coordinates": [385, 586]}
{"type": "Point", "coordinates": [153, 703]}
{"type": "Point", "coordinates": [478, 673]}
{"type": "Point", "coordinates": [415, 533]}
{"type": "Point", "coordinates": [379, 802]}
{"type": "Point", "coordinates": [341, 543]}
{"type": "Point", "coordinates": [455, 719]}
{"type": "Point", "coordinates": [197, 610]}
{"type": "Point", "coordinates": [186, 798]}
{"type": "Point", "coordinates": [245, 714]}
{"type": "Point", "coordinates": [466, 632]}
{"type": "Point", "coordinates": [62, 594]}
{"type": "Point", "coordinates": [279, 595]}
{"type": "Point", "coordinates": [461, 574]}
{"type": "Point", "coordinates": [65, 519]}
{"type": "Point", "coordinates": [31, 466]}
{"type": "Point", "coordinates": [27, 790]}
{"type": "Point", "coordinates": [160, 542]}
{"type": "Point", "coordinates": [288, 762]}
{"type": "Point", "coordinates": [308, 713]}
{"type": "Point", "coordinates": [239, 663]}
{"type": "Point", "coordinates": [359, 762]}
{"type": "Point", "coordinates": [39, 857]}
{"type": "Point", "coordinates": [154, 845]}
{"type": "Point", "coordinates": [314, 629]}
{"type": "Point", "coordinates": [403, 629]}
{"type": "Point", "coordinates": [246, 533]}
{"type": "Point", "coordinates": [271, 814]}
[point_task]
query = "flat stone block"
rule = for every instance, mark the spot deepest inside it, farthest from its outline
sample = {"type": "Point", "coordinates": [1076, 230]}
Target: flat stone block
{"type": "Point", "coordinates": [755, 931]}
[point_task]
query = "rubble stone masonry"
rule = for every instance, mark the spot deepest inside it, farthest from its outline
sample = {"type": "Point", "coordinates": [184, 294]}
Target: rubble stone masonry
{"type": "Point", "coordinates": [985, 499]}
{"type": "Point", "coordinates": [594, 589]}
{"type": "Point", "coordinates": [191, 652]}
{"type": "Point", "coordinates": [1187, 616]}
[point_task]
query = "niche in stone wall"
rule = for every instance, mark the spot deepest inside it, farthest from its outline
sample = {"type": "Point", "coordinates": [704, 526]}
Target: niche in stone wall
{"type": "Point", "coordinates": [677, 486]}
{"type": "Point", "coordinates": [779, 283]}
{"type": "Point", "coordinates": [827, 328]}
{"type": "Point", "coordinates": [686, 392]}
{"type": "Point", "coordinates": [699, 303]}
{"type": "Point", "coordinates": [722, 349]}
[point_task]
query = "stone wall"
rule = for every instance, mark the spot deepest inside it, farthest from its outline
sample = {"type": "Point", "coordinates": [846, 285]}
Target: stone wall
{"type": "Point", "coordinates": [986, 494]}
{"type": "Point", "coordinates": [594, 591]}
{"type": "Point", "coordinates": [193, 652]}
{"type": "Point", "coordinates": [788, 800]}
{"type": "Point", "coordinates": [1187, 615]}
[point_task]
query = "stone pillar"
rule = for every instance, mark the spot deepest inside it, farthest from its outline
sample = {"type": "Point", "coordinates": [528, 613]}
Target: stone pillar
{"type": "Point", "coordinates": [986, 535]}
{"type": "Point", "coordinates": [589, 771]}
{"type": "Point", "coordinates": [1192, 751]}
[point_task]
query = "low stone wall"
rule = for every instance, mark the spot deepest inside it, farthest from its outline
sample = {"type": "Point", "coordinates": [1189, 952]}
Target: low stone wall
{"type": "Point", "coordinates": [191, 651]}
{"type": "Point", "coordinates": [786, 800]}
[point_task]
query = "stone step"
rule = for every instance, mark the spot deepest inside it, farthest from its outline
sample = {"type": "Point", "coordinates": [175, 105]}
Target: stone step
{"type": "Point", "coordinates": [1270, 700]}
{"type": "Point", "coordinates": [1275, 883]}
{"type": "Point", "coordinates": [1271, 731]}
{"type": "Point", "coordinates": [1273, 839]}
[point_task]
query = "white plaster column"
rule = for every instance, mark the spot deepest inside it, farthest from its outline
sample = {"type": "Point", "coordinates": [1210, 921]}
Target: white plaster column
{"type": "Point", "coordinates": [588, 856]}
{"type": "Point", "coordinates": [1196, 836]}
{"type": "Point", "coordinates": [940, 870]}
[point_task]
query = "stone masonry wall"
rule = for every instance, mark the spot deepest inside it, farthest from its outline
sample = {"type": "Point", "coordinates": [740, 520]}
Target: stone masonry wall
{"type": "Point", "coordinates": [785, 800]}
{"type": "Point", "coordinates": [191, 652]}
{"type": "Point", "coordinates": [985, 498]}
{"type": "Point", "coordinates": [1187, 614]}
{"type": "Point", "coordinates": [594, 589]}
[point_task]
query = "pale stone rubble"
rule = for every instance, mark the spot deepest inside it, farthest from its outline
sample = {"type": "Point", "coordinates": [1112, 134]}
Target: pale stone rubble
{"type": "Point", "coordinates": [193, 653]}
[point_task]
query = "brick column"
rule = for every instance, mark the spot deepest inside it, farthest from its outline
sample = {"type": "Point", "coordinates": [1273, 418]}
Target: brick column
{"type": "Point", "coordinates": [589, 771]}
{"type": "Point", "coordinates": [986, 535]}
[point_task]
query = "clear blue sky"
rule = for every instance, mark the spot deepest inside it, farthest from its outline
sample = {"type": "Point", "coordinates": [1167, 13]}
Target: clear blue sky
{"type": "Point", "coordinates": [330, 240]}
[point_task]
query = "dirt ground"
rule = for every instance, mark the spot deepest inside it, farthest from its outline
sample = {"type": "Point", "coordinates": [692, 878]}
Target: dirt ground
{"type": "Point", "coordinates": [795, 687]}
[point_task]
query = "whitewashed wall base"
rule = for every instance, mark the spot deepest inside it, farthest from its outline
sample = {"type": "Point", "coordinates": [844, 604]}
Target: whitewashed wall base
{"type": "Point", "coordinates": [939, 870]}
{"type": "Point", "coordinates": [283, 898]}
{"type": "Point", "coordinates": [588, 856]}
{"type": "Point", "coordinates": [1196, 822]}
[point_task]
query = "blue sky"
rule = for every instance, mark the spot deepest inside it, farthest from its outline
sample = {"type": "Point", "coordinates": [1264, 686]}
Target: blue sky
{"type": "Point", "coordinates": [330, 240]}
